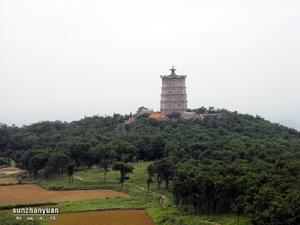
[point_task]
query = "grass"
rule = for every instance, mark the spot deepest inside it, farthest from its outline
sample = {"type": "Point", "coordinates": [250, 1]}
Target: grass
{"type": "Point", "coordinates": [172, 216]}
{"type": "Point", "coordinates": [7, 219]}
{"type": "Point", "coordinates": [136, 187]}
{"type": "Point", "coordinates": [228, 219]}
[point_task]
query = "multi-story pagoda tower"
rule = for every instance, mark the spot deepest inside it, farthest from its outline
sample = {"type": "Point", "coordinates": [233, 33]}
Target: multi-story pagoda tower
{"type": "Point", "coordinates": [173, 93]}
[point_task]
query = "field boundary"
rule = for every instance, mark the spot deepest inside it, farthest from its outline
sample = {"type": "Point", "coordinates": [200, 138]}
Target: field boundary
{"type": "Point", "coordinates": [3, 207]}
{"type": "Point", "coordinates": [107, 209]}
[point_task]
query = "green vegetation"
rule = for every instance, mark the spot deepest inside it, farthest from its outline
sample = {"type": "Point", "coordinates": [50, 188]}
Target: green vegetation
{"type": "Point", "coordinates": [171, 216]}
{"type": "Point", "coordinates": [124, 170]}
{"type": "Point", "coordinates": [225, 168]}
{"type": "Point", "coordinates": [4, 162]}
{"type": "Point", "coordinates": [7, 219]}
{"type": "Point", "coordinates": [136, 186]}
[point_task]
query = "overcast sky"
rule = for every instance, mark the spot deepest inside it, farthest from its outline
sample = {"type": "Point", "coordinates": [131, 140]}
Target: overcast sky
{"type": "Point", "coordinates": [66, 59]}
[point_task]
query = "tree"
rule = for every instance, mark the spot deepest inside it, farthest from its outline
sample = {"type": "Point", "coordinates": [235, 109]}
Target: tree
{"type": "Point", "coordinates": [70, 170]}
{"type": "Point", "coordinates": [200, 110]}
{"type": "Point", "coordinates": [165, 170]}
{"type": "Point", "coordinates": [25, 160]}
{"type": "Point", "coordinates": [98, 154]}
{"type": "Point", "coordinates": [151, 172]}
{"type": "Point", "coordinates": [238, 207]}
{"type": "Point", "coordinates": [37, 162]}
{"type": "Point", "coordinates": [174, 116]}
{"type": "Point", "coordinates": [158, 174]}
{"type": "Point", "coordinates": [81, 155]}
{"type": "Point", "coordinates": [125, 151]}
{"type": "Point", "coordinates": [57, 164]}
{"type": "Point", "coordinates": [124, 170]}
{"type": "Point", "coordinates": [157, 150]}
{"type": "Point", "coordinates": [106, 168]}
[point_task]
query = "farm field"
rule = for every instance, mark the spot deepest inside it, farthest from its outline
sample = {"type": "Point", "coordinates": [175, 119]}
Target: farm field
{"type": "Point", "coordinates": [8, 180]}
{"type": "Point", "coordinates": [24, 194]}
{"type": "Point", "coordinates": [133, 197]}
{"type": "Point", "coordinates": [110, 217]}
{"type": "Point", "coordinates": [10, 170]}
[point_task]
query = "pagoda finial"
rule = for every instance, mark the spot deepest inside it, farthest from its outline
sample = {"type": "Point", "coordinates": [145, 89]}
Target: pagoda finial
{"type": "Point", "coordinates": [173, 70]}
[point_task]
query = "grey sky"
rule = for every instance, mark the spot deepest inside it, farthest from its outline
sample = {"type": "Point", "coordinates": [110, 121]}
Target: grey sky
{"type": "Point", "coordinates": [66, 59]}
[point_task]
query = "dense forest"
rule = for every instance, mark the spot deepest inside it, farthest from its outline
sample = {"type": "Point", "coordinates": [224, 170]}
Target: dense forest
{"type": "Point", "coordinates": [227, 162]}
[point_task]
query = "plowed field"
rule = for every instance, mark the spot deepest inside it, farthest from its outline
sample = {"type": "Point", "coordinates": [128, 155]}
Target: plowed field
{"type": "Point", "coordinates": [23, 194]}
{"type": "Point", "coordinates": [8, 180]}
{"type": "Point", "coordinates": [113, 217]}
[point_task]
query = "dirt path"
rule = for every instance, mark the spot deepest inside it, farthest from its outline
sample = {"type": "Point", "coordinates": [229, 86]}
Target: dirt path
{"type": "Point", "coordinates": [78, 178]}
{"type": "Point", "coordinates": [164, 201]}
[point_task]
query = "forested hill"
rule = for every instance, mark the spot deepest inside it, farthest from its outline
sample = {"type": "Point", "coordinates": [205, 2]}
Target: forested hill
{"type": "Point", "coordinates": [236, 134]}
{"type": "Point", "coordinates": [227, 162]}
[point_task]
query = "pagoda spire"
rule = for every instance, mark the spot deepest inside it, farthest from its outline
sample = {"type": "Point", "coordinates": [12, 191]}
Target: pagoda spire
{"type": "Point", "coordinates": [173, 70]}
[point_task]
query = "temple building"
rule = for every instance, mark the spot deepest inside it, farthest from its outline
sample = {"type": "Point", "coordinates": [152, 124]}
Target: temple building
{"type": "Point", "coordinates": [173, 93]}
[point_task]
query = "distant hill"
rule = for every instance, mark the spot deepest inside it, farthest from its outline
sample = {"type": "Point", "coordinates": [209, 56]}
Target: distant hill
{"type": "Point", "coordinates": [90, 131]}
{"type": "Point", "coordinates": [222, 163]}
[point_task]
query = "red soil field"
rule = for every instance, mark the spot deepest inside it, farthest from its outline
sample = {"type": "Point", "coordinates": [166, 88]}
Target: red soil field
{"type": "Point", "coordinates": [8, 180]}
{"type": "Point", "coordinates": [111, 217]}
{"type": "Point", "coordinates": [24, 194]}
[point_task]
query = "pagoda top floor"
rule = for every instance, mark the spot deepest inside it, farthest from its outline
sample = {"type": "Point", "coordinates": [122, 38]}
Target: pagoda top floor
{"type": "Point", "coordinates": [173, 75]}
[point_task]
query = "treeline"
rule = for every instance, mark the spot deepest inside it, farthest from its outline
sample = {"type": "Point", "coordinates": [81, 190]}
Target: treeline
{"type": "Point", "coordinates": [269, 193]}
{"type": "Point", "coordinates": [227, 162]}
{"type": "Point", "coordinates": [52, 163]}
